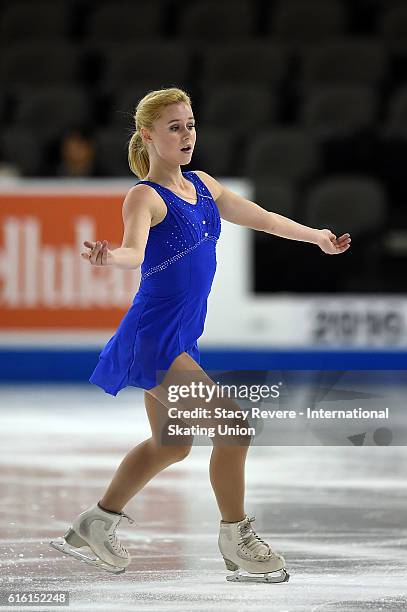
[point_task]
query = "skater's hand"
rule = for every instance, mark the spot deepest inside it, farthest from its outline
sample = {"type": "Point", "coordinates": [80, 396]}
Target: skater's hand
{"type": "Point", "coordinates": [330, 244]}
{"type": "Point", "coordinates": [98, 254]}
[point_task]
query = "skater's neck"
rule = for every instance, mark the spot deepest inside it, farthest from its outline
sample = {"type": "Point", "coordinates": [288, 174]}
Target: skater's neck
{"type": "Point", "coordinates": [167, 176]}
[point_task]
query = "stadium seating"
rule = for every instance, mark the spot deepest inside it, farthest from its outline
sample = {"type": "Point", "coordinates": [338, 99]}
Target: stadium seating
{"type": "Point", "coordinates": [339, 110]}
{"type": "Point", "coordinates": [285, 153]}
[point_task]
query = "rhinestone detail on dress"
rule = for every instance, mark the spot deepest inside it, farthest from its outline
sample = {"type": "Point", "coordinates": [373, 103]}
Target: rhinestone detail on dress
{"type": "Point", "coordinates": [171, 260]}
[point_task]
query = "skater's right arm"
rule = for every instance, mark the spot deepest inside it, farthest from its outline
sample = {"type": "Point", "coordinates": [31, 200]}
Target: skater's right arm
{"type": "Point", "coordinates": [137, 212]}
{"type": "Point", "coordinates": [137, 216]}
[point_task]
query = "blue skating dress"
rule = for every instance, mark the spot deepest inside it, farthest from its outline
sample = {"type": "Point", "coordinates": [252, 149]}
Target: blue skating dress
{"type": "Point", "coordinates": [168, 312]}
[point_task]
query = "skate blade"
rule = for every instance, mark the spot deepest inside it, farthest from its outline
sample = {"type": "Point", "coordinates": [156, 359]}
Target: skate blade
{"type": "Point", "coordinates": [63, 547]}
{"type": "Point", "coordinates": [237, 576]}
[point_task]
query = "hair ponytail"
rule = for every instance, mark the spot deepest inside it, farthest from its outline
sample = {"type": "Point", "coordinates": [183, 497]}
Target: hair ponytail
{"type": "Point", "coordinates": [138, 156]}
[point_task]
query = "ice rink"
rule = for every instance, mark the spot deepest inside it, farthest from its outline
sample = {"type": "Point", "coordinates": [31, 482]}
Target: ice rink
{"type": "Point", "coordinates": [337, 514]}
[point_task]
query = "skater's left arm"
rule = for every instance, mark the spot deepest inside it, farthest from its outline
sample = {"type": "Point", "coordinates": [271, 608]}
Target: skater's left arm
{"type": "Point", "coordinates": [240, 211]}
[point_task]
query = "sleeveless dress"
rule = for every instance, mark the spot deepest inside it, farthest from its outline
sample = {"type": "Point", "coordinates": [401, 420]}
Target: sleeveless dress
{"type": "Point", "coordinates": [168, 312]}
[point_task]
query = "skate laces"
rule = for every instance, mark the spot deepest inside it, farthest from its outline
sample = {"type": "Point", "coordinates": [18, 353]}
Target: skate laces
{"type": "Point", "coordinates": [250, 540]}
{"type": "Point", "coordinates": [114, 540]}
{"type": "Point", "coordinates": [131, 521]}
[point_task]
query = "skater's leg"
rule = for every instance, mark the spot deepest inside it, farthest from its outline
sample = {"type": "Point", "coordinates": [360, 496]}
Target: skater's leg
{"type": "Point", "coordinates": [227, 474]}
{"type": "Point", "coordinates": [228, 458]}
{"type": "Point", "coordinates": [143, 462]}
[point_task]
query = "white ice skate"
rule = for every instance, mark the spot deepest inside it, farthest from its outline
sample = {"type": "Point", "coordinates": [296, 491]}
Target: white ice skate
{"type": "Point", "coordinates": [242, 549]}
{"type": "Point", "coordinates": [96, 529]}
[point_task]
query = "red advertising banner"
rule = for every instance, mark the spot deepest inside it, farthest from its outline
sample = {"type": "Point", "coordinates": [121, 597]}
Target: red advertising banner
{"type": "Point", "coordinates": [44, 282]}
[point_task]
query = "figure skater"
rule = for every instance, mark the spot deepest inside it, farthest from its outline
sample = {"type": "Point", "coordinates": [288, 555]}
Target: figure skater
{"type": "Point", "coordinates": [171, 227]}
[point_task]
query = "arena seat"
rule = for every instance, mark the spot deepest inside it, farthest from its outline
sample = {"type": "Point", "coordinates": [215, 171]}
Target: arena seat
{"type": "Point", "coordinates": [285, 152]}
{"type": "Point", "coordinates": [211, 21]}
{"type": "Point", "coordinates": [22, 148]}
{"type": "Point", "coordinates": [152, 65]}
{"type": "Point", "coordinates": [393, 28]}
{"type": "Point", "coordinates": [123, 22]}
{"type": "Point", "coordinates": [111, 152]}
{"type": "Point", "coordinates": [34, 21]}
{"type": "Point", "coordinates": [358, 204]}
{"type": "Point", "coordinates": [339, 110]}
{"type": "Point", "coordinates": [67, 107]}
{"type": "Point", "coordinates": [298, 23]}
{"type": "Point", "coordinates": [39, 64]}
{"type": "Point", "coordinates": [351, 61]}
{"type": "Point", "coordinates": [243, 110]}
{"type": "Point", "coordinates": [214, 151]}
{"type": "Point", "coordinates": [257, 62]}
{"type": "Point", "coordinates": [396, 120]}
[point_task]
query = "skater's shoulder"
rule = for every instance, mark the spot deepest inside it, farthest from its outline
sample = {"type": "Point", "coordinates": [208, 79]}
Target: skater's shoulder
{"type": "Point", "coordinates": [142, 199]}
{"type": "Point", "coordinates": [142, 194]}
{"type": "Point", "coordinates": [210, 182]}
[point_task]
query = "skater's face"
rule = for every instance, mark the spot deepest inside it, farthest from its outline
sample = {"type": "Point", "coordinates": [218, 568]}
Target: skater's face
{"type": "Point", "coordinates": [171, 132]}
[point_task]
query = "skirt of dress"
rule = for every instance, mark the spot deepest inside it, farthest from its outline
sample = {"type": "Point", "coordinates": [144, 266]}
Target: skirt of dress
{"type": "Point", "coordinates": [151, 335]}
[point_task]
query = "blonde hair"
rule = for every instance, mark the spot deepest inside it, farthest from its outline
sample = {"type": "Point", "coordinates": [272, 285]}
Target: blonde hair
{"type": "Point", "coordinates": [147, 111]}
